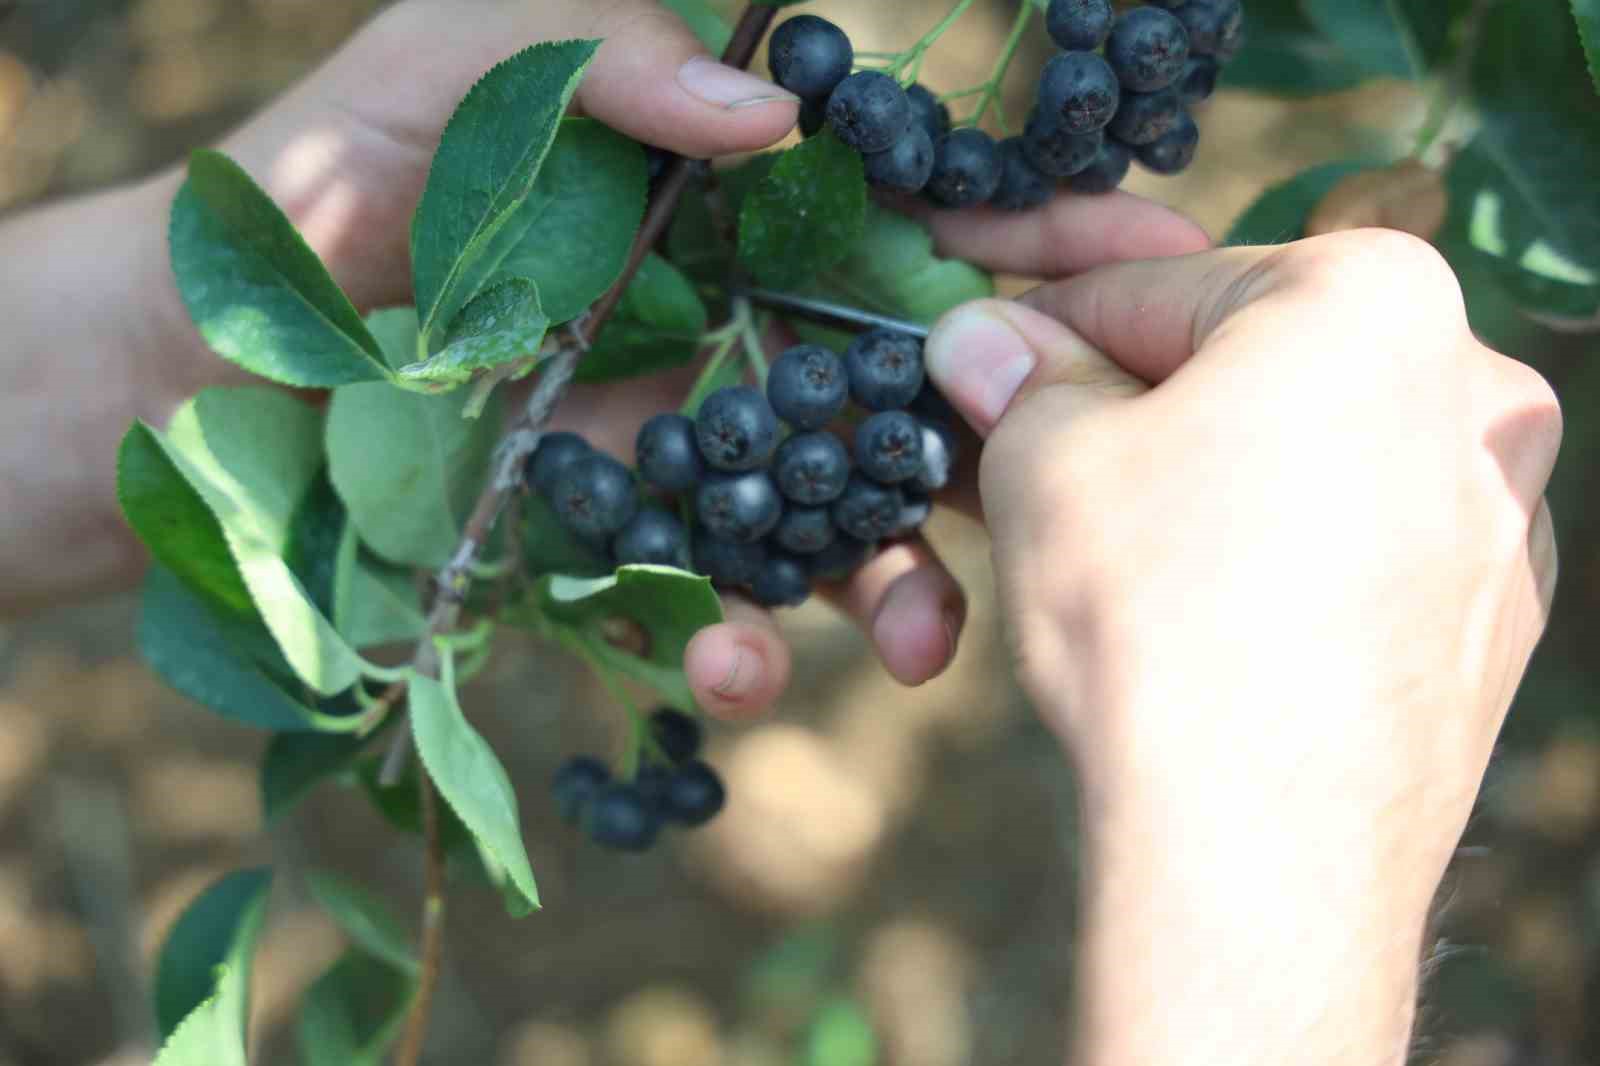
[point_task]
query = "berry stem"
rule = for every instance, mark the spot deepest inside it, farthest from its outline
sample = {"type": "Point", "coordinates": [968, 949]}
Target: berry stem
{"type": "Point", "coordinates": [997, 76]}
{"type": "Point", "coordinates": [431, 947]}
{"type": "Point", "coordinates": [911, 58]}
{"type": "Point", "coordinates": [750, 330]}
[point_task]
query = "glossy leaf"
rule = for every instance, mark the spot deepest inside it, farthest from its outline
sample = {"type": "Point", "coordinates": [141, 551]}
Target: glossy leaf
{"type": "Point", "coordinates": [1279, 214]}
{"type": "Point", "coordinates": [252, 455]}
{"type": "Point", "coordinates": [581, 218]}
{"type": "Point", "coordinates": [408, 468]}
{"type": "Point", "coordinates": [218, 929]}
{"type": "Point", "coordinates": [472, 781]}
{"type": "Point", "coordinates": [488, 159]}
{"type": "Point", "coordinates": [175, 524]}
{"type": "Point", "coordinates": [502, 324]}
{"type": "Point", "coordinates": [220, 662]}
{"type": "Point", "coordinates": [365, 919]}
{"type": "Point", "coordinates": [806, 215]}
{"type": "Point", "coordinates": [258, 295]}
{"type": "Point", "coordinates": [396, 330]}
{"type": "Point", "coordinates": [354, 1012]}
{"type": "Point", "coordinates": [656, 327]}
{"type": "Point", "coordinates": [295, 763]}
{"type": "Point", "coordinates": [667, 606]}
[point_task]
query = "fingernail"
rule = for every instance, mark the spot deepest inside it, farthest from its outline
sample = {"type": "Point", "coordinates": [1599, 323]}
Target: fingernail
{"type": "Point", "coordinates": [742, 675]}
{"type": "Point", "coordinates": [979, 361]}
{"type": "Point", "coordinates": [723, 86]}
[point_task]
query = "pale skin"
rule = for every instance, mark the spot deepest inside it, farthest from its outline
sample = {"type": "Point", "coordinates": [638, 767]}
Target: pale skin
{"type": "Point", "coordinates": [1267, 523]}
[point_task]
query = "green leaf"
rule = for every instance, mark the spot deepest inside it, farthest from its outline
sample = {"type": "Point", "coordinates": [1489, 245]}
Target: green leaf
{"type": "Point", "coordinates": [259, 296]}
{"type": "Point", "coordinates": [365, 919]}
{"type": "Point", "coordinates": [670, 606]}
{"type": "Point", "coordinates": [295, 763]}
{"type": "Point", "coordinates": [315, 531]}
{"type": "Point", "coordinates": [1495, 226]}
{"type": "Point", "coordinates": [396, 330]}
{"type": "Point", "coordinates": [502, 324]}
{"type": "Point", "coordinates": [252, 454]}
{"type": "Point", "coordinates": [218, 929]}
{"type": "Point", "coordinates": [472, 781]}
{"type": "Point", "coordinates": [1397, 38]}
{"type": "Point", "coordinates": [208, 1036]}
{"type": "Point", "coordinates": [841, 1035]}
{"type": "Point", "coordinates": [1279, 214]}
{"type": "Point", "coordinates": [1587, 12]}
{"type": "Point", "coordinates": [217, 661]}
{"type": "Point", "coordinates": [1285, 54]}
{"type": "Point", "coordinates": [806, 215]}
{"type": "Point", "coordinates": [373, 603]}
{"type": "Point", "coordinates": [656, 327]}
{"type": "Point", "coordinates": [408, 468]}
{"type": "Point", "coordinates": [706, 23]}
{"type": "Point", "coordinates": [1540, 125]}
{"type": "Point", "coordinates": [895, 272]}
{"type": "Point", "coordinates": [353, 1012]}
{"type": "Point", "coordinates": [400, 804]}
{"type": "Point", "coordinates": [175, 524]}
{"type": "Point", "coordinates": [581, 218]}
{"type": "Point", "coordinates": [485, 167]}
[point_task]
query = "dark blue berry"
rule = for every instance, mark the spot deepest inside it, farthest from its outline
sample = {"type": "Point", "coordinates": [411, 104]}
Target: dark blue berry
{"type": "Point", "coordinates": [1174, 151]}
{"type": "Point", "coordinates": [913, 516]}
{"type": "Point", "coordinates": [739, 507]}
{"type": "Point", "coordinates": [736, 429]}
{"type": "Point", "coordinates": [938, 457]}
{"type": "Point", "coordinates": [1078, 89]}
{"type": "Point", "coordinates": [653, 538]}
{"type": "Point", "coordinates": [885, 368]}
{"type": "Point", "coordinates": [1147, 49]}
{"type": "Point", "coordinates": [807, 386]}
{"type": "Point", "coordinates": [840, 559]}
{"type": "Point", "coordinates": [811, 468]}
{"type": "Point", "coordinates": [809, 56]}
{"type": "Point", "coordinates": [694, 795]}
{"type": "Point", "coordinates": [1146, 117]}
{"type": "Point", "coordinates": [1079, 25]}
{"type": "Point", "coordinates": [678, 735]}
{"type": "Point", "coordinates": [904, 166]}
{"type": "Point", "coordinates": [576, 783]}
{"type": "Point", "coordinates": [805, 530]}
{"type": "Point", "coordinates": [966, 168]}
{"type": "Point", "coordinates": [1022, 185]}
{"type": "Point", "coordinates": [783, 581]}
{"type": "Point", "coordinates": [1199, 80]}
{"type": "Point", "coordinates": [667, 454]}
{"type": "Point", "coordinates": [869, 111]}
{"type": "Point", "coordinates": [867, 510]}
{"type": "Point", "coordinates": [1054, 151]}
{"type": "Point", "coordinates": [595, 497]}
{"type": "Point", "coordinates": [727, 563]}
{"type": "Point", "coordinates": [889, 447]}
{"type": "Point", "coordinates": [1229, 45]}
{"type": "Point", "coordinates": [619, 817]}
{"type": "Point", "coordinates": [651, 781]}
{"type": "Point", "coordinates": [928, 112]}
{"type": "Point", "coordinates": [556, 452]}
{"type": "Point", "coordinates": [813, 116]}
{"type": "Point", "coordinates": [1210, 24]}
{"type": "Point", "coordinates": [931, 403]}
{"type": "Point", "coordinates": [1110, 166]}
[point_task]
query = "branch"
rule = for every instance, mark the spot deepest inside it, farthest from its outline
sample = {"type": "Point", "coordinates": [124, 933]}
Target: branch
{"type": "Point", "coordinates": [432, 946]}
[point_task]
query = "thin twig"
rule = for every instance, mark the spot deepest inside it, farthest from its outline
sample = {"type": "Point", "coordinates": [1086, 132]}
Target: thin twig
{"type": "Point", "coordinates": [432, 937]}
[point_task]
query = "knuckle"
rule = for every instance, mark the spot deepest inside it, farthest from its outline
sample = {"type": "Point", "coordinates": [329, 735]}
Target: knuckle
{"type": "Point", "coordinates": [1378, 260]}
{"type": "Point", "coordinates": [1533, 402]}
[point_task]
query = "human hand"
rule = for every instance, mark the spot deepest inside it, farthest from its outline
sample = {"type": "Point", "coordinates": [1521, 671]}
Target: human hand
{"type": "Point", "coordinates": [1277, 607]}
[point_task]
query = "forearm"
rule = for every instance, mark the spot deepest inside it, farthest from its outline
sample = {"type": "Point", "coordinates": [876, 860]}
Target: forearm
{"type": "Point", "coordinates": [90, 344]}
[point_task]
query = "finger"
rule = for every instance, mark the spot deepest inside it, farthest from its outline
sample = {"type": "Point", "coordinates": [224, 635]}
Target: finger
{"type": "Point", "coordinates": [911, 607]}
{"type": "Point", "coordinates": [986, 355]}
{"type": "Point", "coordinates": [653, 80]}
{"type": "Point", "coordinates": [738, 668]}
{"type": "Point", "coordinates": [1068, 235]}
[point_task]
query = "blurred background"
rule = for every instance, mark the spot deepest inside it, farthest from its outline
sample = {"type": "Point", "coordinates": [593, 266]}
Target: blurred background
{"type": "Point", "coordinates": [892, 883]}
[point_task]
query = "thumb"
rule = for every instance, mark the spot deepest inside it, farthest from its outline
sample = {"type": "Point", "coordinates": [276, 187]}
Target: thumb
{"type": "Point", "coordinates": [653, 80]}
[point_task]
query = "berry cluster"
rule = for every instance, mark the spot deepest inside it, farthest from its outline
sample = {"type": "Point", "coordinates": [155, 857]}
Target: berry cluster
{"type": "Point", "coordinates": [1119, 92]}
{"type": "Point", "coordinates": [776, 500]}
{"type": "Point", "coordinates": [672, 787]}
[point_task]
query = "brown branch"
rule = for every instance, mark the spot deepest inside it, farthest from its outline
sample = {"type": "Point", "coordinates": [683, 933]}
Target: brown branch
{"type": "Point", "coordinates": [431, 948]}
